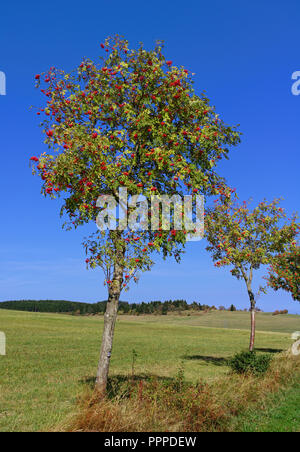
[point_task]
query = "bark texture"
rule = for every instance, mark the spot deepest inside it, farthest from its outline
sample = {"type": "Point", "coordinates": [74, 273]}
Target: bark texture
{"type": "Point", "coordinates": [248, 281]}
{"type": "Point", "coordinates": [110, 318]}
{"type": "Point", "coordinates": [253, 320]}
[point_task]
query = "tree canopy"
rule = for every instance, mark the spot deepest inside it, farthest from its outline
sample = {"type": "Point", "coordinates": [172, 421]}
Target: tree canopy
{"type": "Point", "coordinates": [132, 121]}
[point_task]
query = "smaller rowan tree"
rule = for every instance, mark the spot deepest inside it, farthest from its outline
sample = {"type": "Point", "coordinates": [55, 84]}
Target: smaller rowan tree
{"type": "Point", "coordinates": [284, 272]}
{"type": "Point", "coordinates": [247, 240]}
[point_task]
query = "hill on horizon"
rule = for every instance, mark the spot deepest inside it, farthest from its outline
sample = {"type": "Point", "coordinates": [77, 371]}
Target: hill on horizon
{"type": "Point", "coordinates": [62, 306]}
{"type": "Point", "coordinates": [65, 306]}
{"type": "Point", "coordinates": [125, 307]}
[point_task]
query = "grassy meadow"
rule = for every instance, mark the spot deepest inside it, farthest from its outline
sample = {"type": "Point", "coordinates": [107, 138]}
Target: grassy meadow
{"type": "Point", "coordinates": [51, 359]}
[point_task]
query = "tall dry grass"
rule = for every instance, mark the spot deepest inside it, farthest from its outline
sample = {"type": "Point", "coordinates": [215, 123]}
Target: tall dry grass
{"type": "Point", "coordinates": [157, 405]}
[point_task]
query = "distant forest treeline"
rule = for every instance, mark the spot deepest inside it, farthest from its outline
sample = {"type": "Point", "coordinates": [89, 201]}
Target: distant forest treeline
{"type": "Point", "coordinates": [63, 306]}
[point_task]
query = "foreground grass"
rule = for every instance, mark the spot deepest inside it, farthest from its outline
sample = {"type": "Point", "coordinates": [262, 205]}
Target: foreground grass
{"type": "Point", "coordinates": [143, 405]}
{"type": "Point", "coordinates": [51, 359]}
{"type": "Point", "coordinates": [282, 413]}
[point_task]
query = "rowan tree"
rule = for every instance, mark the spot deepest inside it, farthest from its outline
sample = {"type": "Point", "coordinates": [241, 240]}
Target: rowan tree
{"type": "Point", "coordinates": [131, 121]}
{"type": "Point", "coordinates": [247, 239]}
{"type": "Point", "coordinates": [284, 272]}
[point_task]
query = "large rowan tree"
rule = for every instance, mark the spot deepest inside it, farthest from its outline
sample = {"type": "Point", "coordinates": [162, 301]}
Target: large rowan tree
{"type": "Point", "coordinates": [247, 239]}
{"type": "Point", "coordinates": [132, 121]}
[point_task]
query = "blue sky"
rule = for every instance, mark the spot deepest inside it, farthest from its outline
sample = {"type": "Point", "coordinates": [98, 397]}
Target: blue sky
{"type": "Point", "coordinates": [243, 54]}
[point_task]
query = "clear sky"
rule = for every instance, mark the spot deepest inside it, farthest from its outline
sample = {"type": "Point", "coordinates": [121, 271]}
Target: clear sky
{"type": "Point", "coordinates": [243, 54]}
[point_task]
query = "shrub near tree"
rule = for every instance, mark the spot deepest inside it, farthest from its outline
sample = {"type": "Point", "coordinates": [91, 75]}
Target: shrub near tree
{"type": "Point", "coordinates": [247, 239]}
{"type": "Point", "coordinates": [250, 363]}
{"type": "Point", "coordinates": [133, 121]}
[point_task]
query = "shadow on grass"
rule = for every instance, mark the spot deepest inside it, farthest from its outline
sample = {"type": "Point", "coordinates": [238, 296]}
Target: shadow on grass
{"type": "Point", "coordinates": [216, 361]}
{"type": "Point", "coordinates": [121, 385]}
{"type": "Point", "coordinates": [269, 350]}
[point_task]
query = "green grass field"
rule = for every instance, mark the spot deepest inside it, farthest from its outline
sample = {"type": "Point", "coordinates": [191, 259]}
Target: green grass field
{"type": "Point", "coordinates": [52, 358]}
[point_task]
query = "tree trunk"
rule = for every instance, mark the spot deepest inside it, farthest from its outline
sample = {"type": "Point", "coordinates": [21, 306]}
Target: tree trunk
{"type": "Point", "coordinates": [252, 336]}
{"type": "Point", "coordinates": [252, 311]}
{"type": "Point", "coordinates": [110, 318]}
